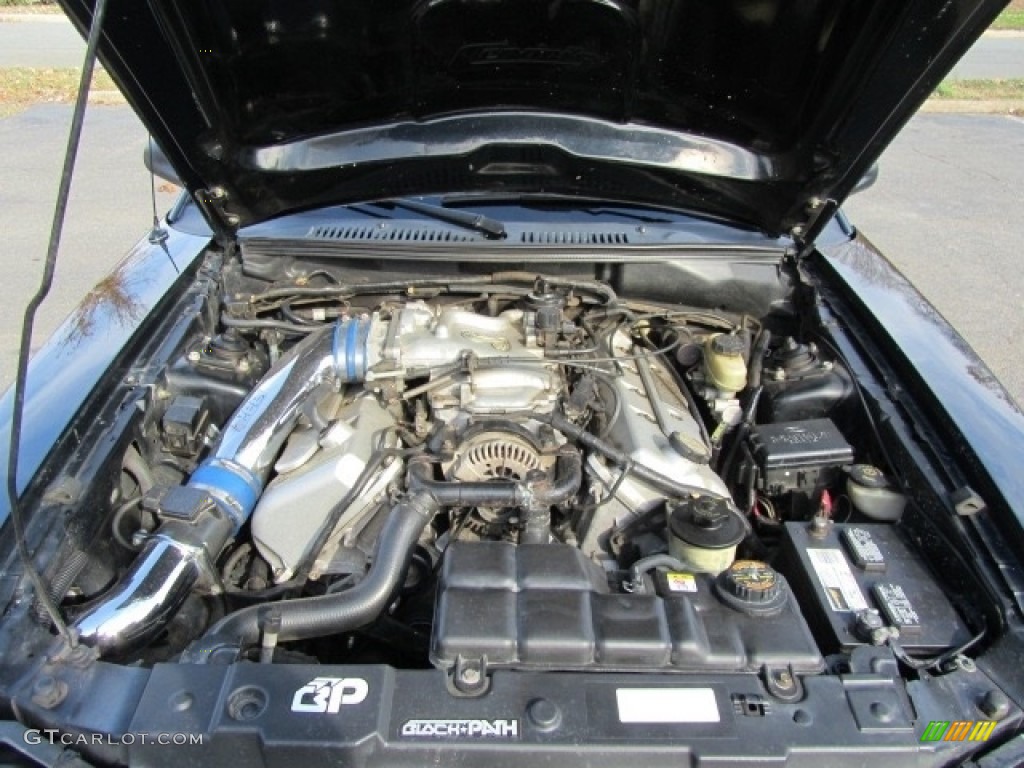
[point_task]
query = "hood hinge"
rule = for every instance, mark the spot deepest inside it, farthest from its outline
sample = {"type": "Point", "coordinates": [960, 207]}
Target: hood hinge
{"type": "Point", "coordinates": [819, 214]}
{"type": "Point", "coordinates": [213, 203]}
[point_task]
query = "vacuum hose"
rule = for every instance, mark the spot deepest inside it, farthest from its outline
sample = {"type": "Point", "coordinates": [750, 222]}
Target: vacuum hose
{"type": "Point", "coordinates": [332, 614]}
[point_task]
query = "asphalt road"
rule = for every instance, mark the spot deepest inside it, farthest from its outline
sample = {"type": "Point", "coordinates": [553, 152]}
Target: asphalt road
{"type": "Point", "coordinates": [109, 210]}
{"type": "Point", "coordinates": [947, 210]}
{"type": "Point", "coordinates": [50, 41]}
{"type": "Point", "coordinates": [992, 57]}
{"type": "Point", "coordinates": [44, 41]}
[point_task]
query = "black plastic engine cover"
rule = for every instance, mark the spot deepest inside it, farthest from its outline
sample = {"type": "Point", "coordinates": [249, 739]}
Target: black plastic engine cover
{"type": "Point", "coordinates": [547, 607]}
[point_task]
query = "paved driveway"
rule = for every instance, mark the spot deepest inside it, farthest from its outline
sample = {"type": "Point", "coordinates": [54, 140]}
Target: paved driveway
{"type": "Point", "coordinates": [948, 210]}
{"type": "Point", "coordinates": [109, 210]}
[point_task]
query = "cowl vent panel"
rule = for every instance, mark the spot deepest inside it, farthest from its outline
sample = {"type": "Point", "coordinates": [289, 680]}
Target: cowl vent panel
{"type": "Point", "coordinates": [574, 238]}
{"type": "Point", "coordinates": [395, 234]}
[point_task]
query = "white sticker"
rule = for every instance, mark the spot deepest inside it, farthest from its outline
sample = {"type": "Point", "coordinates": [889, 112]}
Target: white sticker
{"type": "Point", "coordinates": [841, 589]}
{"type": "Point", "coordinates": [667, 705]}
{"type": "Point", "coordinates": [681, 582]}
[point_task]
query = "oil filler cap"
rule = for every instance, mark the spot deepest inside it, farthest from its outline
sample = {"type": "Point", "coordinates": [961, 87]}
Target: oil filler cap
{"type": "Point", "coordinates": [690, 447]}
{"type": "Point", "coordinates": [752, 587]}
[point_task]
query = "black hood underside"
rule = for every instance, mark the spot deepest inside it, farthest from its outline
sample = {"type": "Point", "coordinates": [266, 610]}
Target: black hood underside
{"type": "Point", "coordinates": [757, 111]}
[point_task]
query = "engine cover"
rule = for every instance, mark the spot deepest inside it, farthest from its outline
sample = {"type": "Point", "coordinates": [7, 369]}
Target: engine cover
{"type": "Point", "coordinates": [548, 607]}
{"type": "Point", "coordinates": [655, 427]}
{"type": "Point", "coordinates": [314, 473]}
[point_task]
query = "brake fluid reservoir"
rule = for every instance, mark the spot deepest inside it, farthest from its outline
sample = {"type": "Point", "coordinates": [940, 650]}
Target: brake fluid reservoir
{"type": "Point", "coordinates": [724, 363]}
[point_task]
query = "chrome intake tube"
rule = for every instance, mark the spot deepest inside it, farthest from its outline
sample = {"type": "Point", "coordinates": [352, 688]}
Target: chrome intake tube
{"type": "Point", "coordinates": [143, 601]}
{"type": "Point", "coordinates": [237, 471]}
{"type": "Point", "coordinates": [220, 496]}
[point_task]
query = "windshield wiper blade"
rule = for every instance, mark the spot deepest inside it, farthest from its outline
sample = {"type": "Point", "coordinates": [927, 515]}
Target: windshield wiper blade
{"type": "Point", "coordinates": [478, 222]}
{"type": "Point", "coordinates": [590, 206]}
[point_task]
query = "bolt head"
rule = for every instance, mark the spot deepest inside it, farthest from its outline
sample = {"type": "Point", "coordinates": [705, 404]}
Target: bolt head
{"type": "Point", "coordinates": [995, 704]}
{"type": "Point", "coordinates": [48, 691]}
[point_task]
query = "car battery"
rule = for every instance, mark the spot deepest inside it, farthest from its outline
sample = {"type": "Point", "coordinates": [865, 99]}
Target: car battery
{"type": "Point", "coordinates": [852, 568]}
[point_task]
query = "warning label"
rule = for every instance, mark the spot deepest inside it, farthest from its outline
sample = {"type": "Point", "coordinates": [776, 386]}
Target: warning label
{"type": "Point", "coordinates": [833, 571]}
{"type": "Point", "coordinates": [681, 582]}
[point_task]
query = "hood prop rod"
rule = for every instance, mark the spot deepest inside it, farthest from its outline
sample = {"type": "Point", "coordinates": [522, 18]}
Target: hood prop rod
{"type": "Point", "coordinates": [48, 602]}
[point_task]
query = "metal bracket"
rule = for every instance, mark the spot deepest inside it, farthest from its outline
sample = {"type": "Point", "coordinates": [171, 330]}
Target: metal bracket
{"type": "Point", "coordinates": [819, 214]}
{"type": "Point", "coordinates": [469, 677]}
{"type": "Point", "coordinates": [782, 683]}
{"type": "Point", "coordinates": [214, 203]}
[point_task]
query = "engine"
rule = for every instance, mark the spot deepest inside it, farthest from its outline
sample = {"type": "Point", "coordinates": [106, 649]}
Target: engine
{"type": "Point", "coordinates": [538, 477]}
{"type": "Point", "coordinates": [483, 389]}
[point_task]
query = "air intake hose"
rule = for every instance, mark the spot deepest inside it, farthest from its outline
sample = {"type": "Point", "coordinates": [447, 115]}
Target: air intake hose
{"type": "Point", "coordinates": [200, 518]}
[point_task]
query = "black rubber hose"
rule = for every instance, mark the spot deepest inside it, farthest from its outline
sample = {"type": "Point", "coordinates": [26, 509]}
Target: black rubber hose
{"type": "Point", "coordinates": [753, 398]}
{"type": "Point", "coordinates": [499, 493]}
{"type": "Point", "coordinates": [642, 566]}
{"type": "Point", "coordinates": [567, 481]}
{"type": "Point", "coordinates": [603, 292]}
{"type": "Point", "coordinates": [757, 357]}
{"type": "Point", "coordinates": [332, 614]}
{"type": "Point", "coordinates": [663, 483]}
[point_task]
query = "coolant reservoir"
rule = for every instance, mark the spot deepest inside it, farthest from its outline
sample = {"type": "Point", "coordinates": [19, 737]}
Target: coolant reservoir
{"type": "Point", "coordinates": [873, 494]}
{"type": "Point", "coordinates": [724, 362]}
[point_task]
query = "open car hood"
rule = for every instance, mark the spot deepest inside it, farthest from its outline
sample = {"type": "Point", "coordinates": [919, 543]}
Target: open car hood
{"type": "Point", "coordinates": [764, 112]}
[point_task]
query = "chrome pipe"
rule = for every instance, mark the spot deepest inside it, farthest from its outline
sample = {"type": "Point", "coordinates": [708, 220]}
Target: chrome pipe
{"type": "Point", "coordinates": [172, 561]}
{"type": "Point", "coordinates": [144, 600]}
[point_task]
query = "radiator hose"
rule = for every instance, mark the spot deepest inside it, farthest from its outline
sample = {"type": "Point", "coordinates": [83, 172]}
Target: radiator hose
{"type": "Point", "coordinates": [331, 614]}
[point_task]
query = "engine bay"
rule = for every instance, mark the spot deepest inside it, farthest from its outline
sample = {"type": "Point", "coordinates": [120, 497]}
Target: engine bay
{"type": "Point", "coordinates": [499, 507]}
{"type": "Point", "coordinates": [515, 471]}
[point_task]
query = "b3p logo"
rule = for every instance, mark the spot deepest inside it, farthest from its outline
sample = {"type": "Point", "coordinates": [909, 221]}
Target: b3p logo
{"type": "Point", "coordinates": [328, 694]}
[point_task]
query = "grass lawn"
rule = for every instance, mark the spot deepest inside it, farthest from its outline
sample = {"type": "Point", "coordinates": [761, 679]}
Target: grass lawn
{"type": "Point", "coordinates": [1009, 19]}
{"type": "Point", "coordinates": [1012, 17]}
{"type": "Point", "coordinates": [975, 90]}
{"type": "Point", "coordinates": [29, 6]}
{"type": "Point", "coordinates": [22, 87]}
